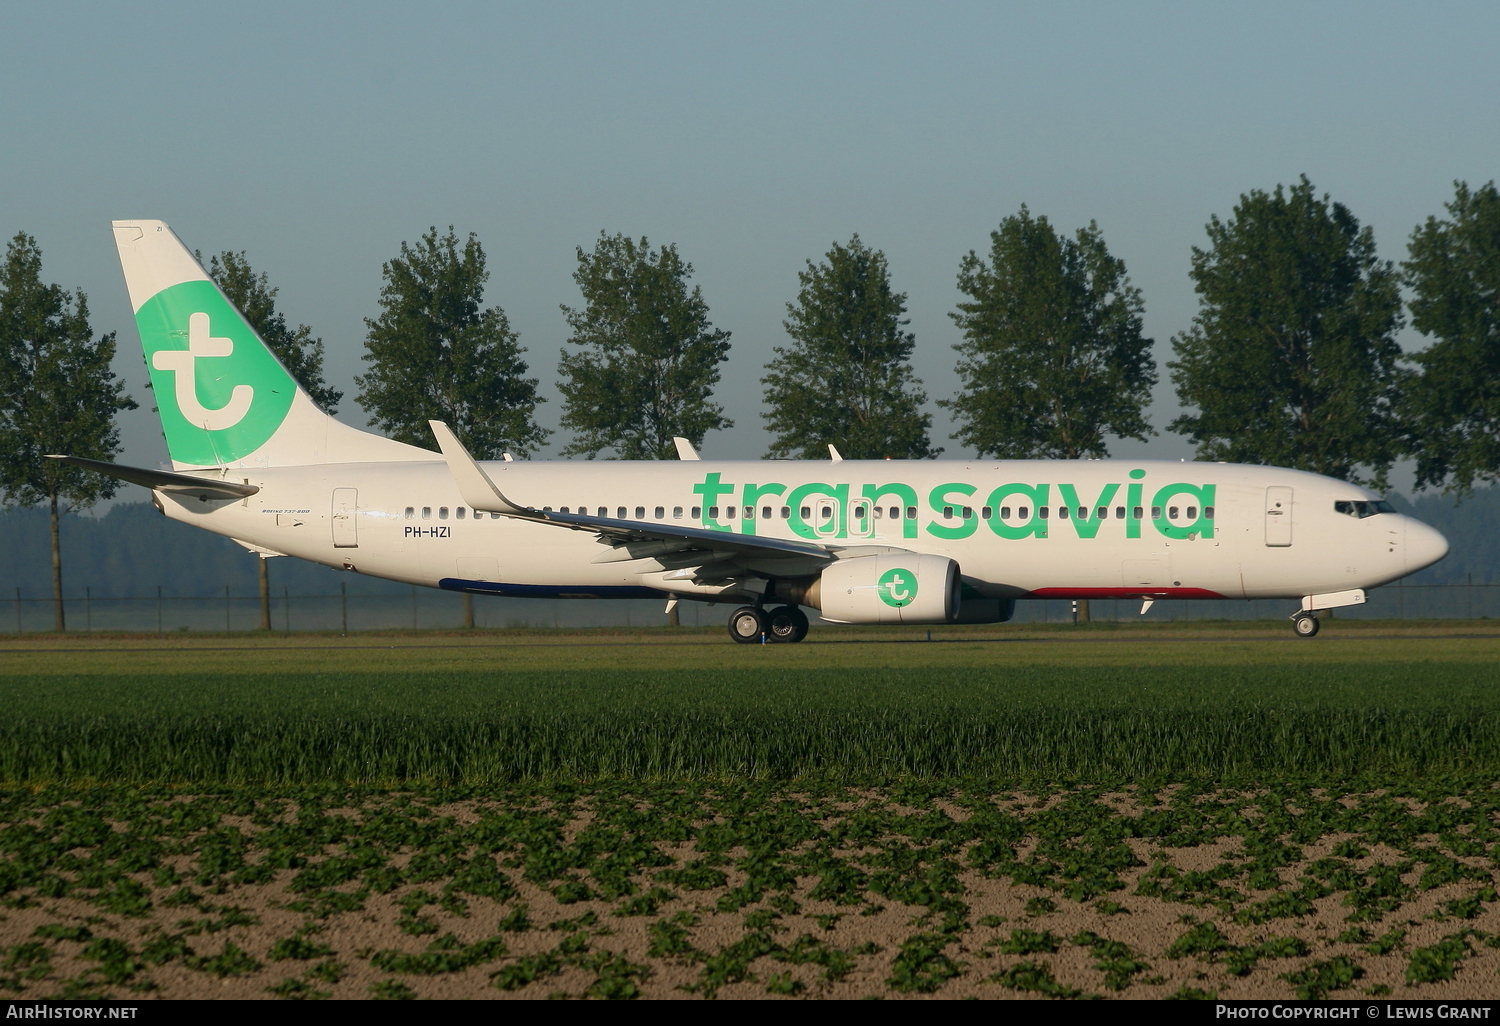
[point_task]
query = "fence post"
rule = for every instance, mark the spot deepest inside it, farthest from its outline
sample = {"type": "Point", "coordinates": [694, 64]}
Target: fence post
{"type": "Point", "coordinates": [18, 610]}
{"type": "Point", "coordinates": [1471, 596]}
{"type": "Point", "coordinates": [158, 609]}
{"type": "Point", "coordinates": [1401, 599]}
{"type": "Point", "coordinates": [226, 610]}
{"type": "Point", "coordinates": [413, 607]}
{"type": "Point", "coordinates": [88, 612]}
{"type": "Point", "coordinates": [286, 607]}
{"type": "Point", "coordinates": [344, 605]}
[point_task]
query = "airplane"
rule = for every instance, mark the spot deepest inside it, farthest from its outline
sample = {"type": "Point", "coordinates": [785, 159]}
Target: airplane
{"type": "Point", "coordinates": [861, 541]}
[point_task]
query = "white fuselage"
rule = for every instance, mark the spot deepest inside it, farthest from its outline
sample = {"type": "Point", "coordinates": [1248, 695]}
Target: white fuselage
{"type": "Point", "coordinates": [1229, 531]}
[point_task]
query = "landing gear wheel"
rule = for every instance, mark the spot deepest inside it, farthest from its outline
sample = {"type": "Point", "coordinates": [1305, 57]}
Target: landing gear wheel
{"type": "Point", "coordinates": [747, 624]}
{"type": "Point", "coordinates": [1305, 624]}
{"type": "Point", "coordinates": [787, 624]}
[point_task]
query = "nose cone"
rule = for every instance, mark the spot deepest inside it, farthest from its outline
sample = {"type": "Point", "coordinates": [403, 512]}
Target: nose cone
{"type": "Point", "coordinates": [1424, 545]}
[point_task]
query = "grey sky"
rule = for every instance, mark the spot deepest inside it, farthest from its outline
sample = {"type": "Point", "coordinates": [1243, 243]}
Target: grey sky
{"type": "Point", "coordinates": [317, 137]}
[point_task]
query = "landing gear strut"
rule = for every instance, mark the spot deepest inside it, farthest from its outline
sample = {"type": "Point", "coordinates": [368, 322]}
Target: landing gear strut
{"type": "Point", "coordinates": [1305, 624]}
{"type": "Point", "coordinates": [783, 625]}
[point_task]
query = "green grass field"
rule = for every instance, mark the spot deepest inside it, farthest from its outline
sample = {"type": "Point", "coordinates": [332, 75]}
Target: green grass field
{"type": "Point", "coordinates": [1210, 701]}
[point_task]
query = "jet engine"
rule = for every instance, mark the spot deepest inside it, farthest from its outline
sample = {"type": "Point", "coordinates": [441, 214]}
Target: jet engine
{"type": "Point", "coordinates": [897, 587]}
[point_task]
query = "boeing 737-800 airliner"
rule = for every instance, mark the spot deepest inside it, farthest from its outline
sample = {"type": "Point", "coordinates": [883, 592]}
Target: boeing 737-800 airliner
{"type": "Point", "coordinates": [862, 541]}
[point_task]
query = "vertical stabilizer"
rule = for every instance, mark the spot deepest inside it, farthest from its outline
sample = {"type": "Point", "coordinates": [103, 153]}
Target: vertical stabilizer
{"type": "Point", "coordinates": [224, 398]}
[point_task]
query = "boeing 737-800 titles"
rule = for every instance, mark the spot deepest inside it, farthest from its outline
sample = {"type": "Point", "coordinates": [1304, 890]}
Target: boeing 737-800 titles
{"type": "Point", "coordinates": [862, 541]}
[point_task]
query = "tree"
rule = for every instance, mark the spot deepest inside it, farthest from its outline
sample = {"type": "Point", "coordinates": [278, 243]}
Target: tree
{"type": "Point", "coordinates": [299, 352]}
{"type": "Point", "coordinates": [1053, 357]}
{"type": "Point", "coordinates": [848, 380]}
{"type": "Point", "coordinates": [1452, 407]}
{"type": "Point", "coordinates": [1292, 358]}
{"type": "Point", "coordinates": [434, 354]}
{"type": "Point", "coordinates": [57, 395]}
{"type": "Point", "coordinates": [649, 356]}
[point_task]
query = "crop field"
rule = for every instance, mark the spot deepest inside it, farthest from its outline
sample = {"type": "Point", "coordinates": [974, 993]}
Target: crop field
{"type": "Point", "coordinates": [1214, 809]}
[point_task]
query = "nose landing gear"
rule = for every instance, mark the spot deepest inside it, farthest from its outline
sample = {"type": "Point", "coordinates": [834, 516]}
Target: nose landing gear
{"type": "Point", "coordinates": [784, 625]}
{"type": "Point", "coordinates": [1305, 624]}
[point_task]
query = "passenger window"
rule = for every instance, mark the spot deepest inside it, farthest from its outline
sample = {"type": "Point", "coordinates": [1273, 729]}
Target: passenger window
{"type": "Point", "coordinates": [1004, 512]}
{"type": "Point", "coordinates": [660, 512]}
{"type": "Point", "coordinates": [786, 512]}
{"type": "Point", "coordinates": [640, 512]}
{"type": "Point", "coordinates": [1042, 511]}
{"type": "Point", "coordinates": [729, 512]}
{"type": "Point", "coordinates": [765, 513]}
{"type": "Point", "coordinates": [1083, 512]}
{"type": "Point", "coordinates": [604, 511]}
{"type": "Point", "coordinates": [1120, 513]}
{"type": "Point", "coordinates": [1103, 512]}
{"type": "Point", "coordinates": [947, 512]}
{"type": "Point", "coordinates": [676, 512]}
{"type": "Point", "coordinates": [713, 512]}
{"type": "Point", "coordinates": [410, 512]}
{"type": "Point", "coordinates": [426, 512]}
{"type": "Point", "coordinates": [1208, 512]}
{"type": "Point", "coordinates": [620, 513]}
{"type": "Point", "coordinates": [1192, 512]}
{"type": "Point", "coordinates": [806, 512]}
{"type": "Point", "coordinates": [986, 513]}
{"type": "Point", "coordinates": [879, 512]}
{"type": "Point", "coordinates": [461, 512]}
{"type": "Point", "coordinates": [697, 512]}
{"type": "Point", "coordinates": [1062, 512]}
{"type": "Point", "coordinates": [1155, 512]}
{"type": "Point", "coordinates": [443, 512]}
{"type": "Point", "coordinates": [859, 512]}
{"type": "Point", "coordinates": [1171, 512]}
{"type": "Point", "coordinates": [826, 512]}
{"type": "Point", "coordinates": [1140, 511]}
{"type": "Point", "coordinates": [1023, 512]}
{"type": "Point", "coordinates": [968, 512]}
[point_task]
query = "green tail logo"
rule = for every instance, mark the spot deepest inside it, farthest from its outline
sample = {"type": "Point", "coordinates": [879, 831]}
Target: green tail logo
{"type": "Point", "coordinates": [221, 393]}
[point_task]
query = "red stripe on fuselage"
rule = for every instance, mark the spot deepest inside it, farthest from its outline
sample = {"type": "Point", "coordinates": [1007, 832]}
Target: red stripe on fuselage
{"type": "Point", "coordinates": [1124, 593]}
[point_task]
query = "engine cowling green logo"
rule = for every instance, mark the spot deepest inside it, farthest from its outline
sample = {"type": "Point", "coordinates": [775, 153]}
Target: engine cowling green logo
{"type": "Point", "coordinates": [897, 587]}
{"type": "Point", "coordinates": [221, 393]}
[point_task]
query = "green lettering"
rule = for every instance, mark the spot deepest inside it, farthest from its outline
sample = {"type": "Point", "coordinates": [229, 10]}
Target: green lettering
{"type": "Point", "coordinates": [1036, 496]}
{"type": "Point", "coordinates": [1201, 496]}
{"type": "Point", "coordinates": [1133, 498]}
{"type": "Point", "coordinates": [1087, 526]}
{"type": "Point", "coordinates": [751, 496]}
{"type": "Point", "coordinates": [906, 493]}
{"type": "Point", "coordinates": [711, 489]}
{"type": "Point", "coordinates": [938, 498]}
{"type": "Point", "coordinates": [840, 495]}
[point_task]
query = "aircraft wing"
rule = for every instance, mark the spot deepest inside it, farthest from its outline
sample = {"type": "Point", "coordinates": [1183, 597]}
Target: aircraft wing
{"type": "Point", "coordinates": [629, 539]}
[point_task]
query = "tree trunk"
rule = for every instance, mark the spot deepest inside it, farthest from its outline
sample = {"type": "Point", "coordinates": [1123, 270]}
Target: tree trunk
{"type": "Point", "coordinates": [59, 622]}
{"type": "Point", "coordinates": [265, 595]}
{"type": "Point", "coordinates": [469, 610]}
{"type": "Point", "coordinates": [1083, 610]}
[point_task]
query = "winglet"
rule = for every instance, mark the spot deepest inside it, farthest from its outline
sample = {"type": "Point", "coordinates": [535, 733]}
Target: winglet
{"type": "Point", "coordinates": [833, 454]}
{"type": "Point", "coordinates": [685, 450]}
{"type": "Point", "coordinates": [473, 483]}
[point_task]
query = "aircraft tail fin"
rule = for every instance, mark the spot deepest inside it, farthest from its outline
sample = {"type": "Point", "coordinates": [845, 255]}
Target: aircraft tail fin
{"type": "Point", "coordinates": [224, 398]}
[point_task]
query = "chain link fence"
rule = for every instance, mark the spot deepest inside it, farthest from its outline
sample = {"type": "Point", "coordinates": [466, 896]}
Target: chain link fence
{"type": "Point", "coordinates": [429, 609]}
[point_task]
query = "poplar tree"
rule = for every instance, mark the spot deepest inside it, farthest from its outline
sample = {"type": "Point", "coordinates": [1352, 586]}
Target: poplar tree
{"type": "Point", "coordinates": [1292, 360]}
{"type": "Point", "coordinates": [1452, 407]}
{"type": "Point", "coordinates": [1052, 357]}
{"type": "Point", "coordinates": [436, 354]}
{"type": "Point", "coordinates": [57, 395]}
{"type": "Point", "coordinates": [848, 379]}
{"type": "Point", "coordinates": [299, 352]}
{"type": "Point", "coordinates": [255, 297]}
{"type": "Point", "coordinates": [648, 356]}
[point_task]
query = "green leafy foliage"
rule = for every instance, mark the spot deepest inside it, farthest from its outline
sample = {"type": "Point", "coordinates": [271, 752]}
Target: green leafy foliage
{"type": "Point", "coordinates": [648, 359]}
{"type": "Point", "coordinates": [1053, 359]}
{"type": "Point", "coordinates": [847, 379]}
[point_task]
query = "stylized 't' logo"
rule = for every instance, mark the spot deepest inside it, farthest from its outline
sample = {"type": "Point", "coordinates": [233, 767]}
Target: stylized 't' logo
{"type": "Point", "coordinates": [180, 363]}
{"type": "Point", "coordinates": [897, 587]}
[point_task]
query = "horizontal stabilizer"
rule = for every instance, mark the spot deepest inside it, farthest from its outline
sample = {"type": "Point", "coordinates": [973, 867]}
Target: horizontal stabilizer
{"type": "Point", "coordinates": [165, 481]}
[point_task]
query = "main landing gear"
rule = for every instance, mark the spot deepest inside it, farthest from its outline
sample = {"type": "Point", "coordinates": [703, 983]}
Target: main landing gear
{"type": "Point", "coordinates": [1305, 624]}
{"type": "Point", "coordinates": [751, 626]}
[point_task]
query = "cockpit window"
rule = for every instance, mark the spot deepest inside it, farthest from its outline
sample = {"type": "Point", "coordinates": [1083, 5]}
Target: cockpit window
{"type": "Point", "coordinates": [1360, 508]}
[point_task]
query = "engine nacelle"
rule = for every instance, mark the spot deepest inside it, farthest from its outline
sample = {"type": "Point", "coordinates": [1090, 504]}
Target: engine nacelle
{"type": "Point", "coordinates": [891, 588]}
